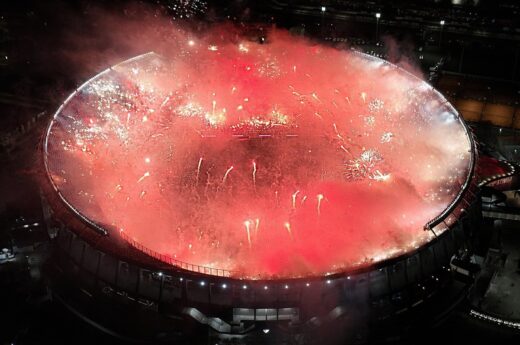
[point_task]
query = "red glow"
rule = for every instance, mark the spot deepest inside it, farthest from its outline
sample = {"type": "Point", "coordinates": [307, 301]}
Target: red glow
{"type": "Point", "coordinates": [282, 159]}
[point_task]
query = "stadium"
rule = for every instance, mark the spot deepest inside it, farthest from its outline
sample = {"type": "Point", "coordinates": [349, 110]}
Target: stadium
{"type": "Point", "coordinates": [281, 189]}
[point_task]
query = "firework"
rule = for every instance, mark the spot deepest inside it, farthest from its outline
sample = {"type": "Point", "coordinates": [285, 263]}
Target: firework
{"type": "Point", "coordinates": [185, 9]}
{"type": "Point", "coordinates": [198, 169]}
{"type": "Point", "coordinates": [226, 174]}
{"type": "Point", "coordinates": [254, 175]}
{"type": "Point", "coordinates": [145, 175]}
{"type": "Point", "coordinates": [247, 224]}
{"type": "Point", "coordinates": [319, 197]}
{"type": "Point", "coordinates": [293, 199]}
{"type": "Point", "coordinates": [335, 149]}
{"type": "Point", "coordinates": [287, 227]}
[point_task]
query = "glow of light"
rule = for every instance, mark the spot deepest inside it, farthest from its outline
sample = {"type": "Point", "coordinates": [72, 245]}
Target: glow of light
{"type": "Point", "coordinates": [191, 43]}
{"type": "Point", "coordinates": [242, 47]}
{"type": "Point", "coordinates": [147, 160]}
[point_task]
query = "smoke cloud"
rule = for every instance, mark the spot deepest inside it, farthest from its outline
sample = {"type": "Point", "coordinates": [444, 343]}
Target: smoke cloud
{"type": "Point", "coordinates": [287, 158]}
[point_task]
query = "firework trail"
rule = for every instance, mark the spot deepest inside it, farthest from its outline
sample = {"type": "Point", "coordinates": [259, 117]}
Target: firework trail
{"type": "Point", "coordinates": [146, 174]}
{"type": "Point", "coordinates": [226, 174]}
{"type": "Point", "coordinates": [247, 224]}
{"type": "Point", "coordinates": [320, 198]}
{"type": "Point", "coordinates": [254, 175]}
{"type": "Point", "coordinates": [198, 169]}
{"type": "Point", "coordinates": [293, 198]}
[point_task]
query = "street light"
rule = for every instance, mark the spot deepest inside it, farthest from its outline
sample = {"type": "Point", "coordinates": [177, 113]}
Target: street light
{"type": "Point", "coordinates": [323, 8]}
{"type": "Point", "coordinates": [442, 22]}
{"type": "Point", "coordinates": [378, 15]}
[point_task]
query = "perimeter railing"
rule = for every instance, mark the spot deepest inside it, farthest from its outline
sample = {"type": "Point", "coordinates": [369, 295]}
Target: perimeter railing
{"type": "Point", "coordinates": [174, 262]}
{"type": "Point", "coordinates": [469, 184]}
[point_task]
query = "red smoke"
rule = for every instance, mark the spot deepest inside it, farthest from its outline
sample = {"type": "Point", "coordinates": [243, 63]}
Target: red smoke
{"type": "Point", "coordinates": [279, 159]}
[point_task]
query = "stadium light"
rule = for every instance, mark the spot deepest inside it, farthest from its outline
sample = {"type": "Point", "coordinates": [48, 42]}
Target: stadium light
{"type": "Point", "coordinates": [378, 15]}
{"type": "Point", "coordinates": [442, 22]}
